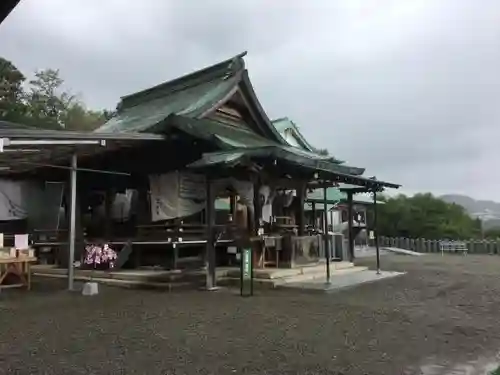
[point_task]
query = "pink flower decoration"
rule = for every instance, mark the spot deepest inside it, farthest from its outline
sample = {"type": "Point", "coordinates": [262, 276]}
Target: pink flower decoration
{"type": "Point", "coordinates": [95, 254]}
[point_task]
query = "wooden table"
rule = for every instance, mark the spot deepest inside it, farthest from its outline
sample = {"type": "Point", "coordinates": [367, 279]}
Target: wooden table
{"type": "Point", "coordinates": [20, 268]}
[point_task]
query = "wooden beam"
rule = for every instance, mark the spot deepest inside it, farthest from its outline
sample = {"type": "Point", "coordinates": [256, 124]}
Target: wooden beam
{"type": "Point", "coordinates": [301, 219]}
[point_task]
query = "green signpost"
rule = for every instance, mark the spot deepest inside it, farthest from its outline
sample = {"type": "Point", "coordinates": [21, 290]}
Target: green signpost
{"type": "Point", "coordinates": [246, 278]}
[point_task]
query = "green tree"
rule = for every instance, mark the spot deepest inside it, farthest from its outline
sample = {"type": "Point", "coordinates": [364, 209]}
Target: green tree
{"type": "Point", "coordinates": [47, 102]}
{"type": "Point", "coordinates": [493, 233]}
{"type": "Point", "coordinates": [425, 216]}
{"type": "Point", "coordinates": [78, 117]}
{"type": "Point", "coordinates": [44, 103]}
{"type": "Point", "coordinates": [12, 106]}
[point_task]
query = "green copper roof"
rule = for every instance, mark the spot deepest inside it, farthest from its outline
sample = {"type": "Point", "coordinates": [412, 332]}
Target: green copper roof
{"type": "Point", "coordinates": [294, 138]}
{"type": "Point", "coordinates": [290, 132]}
{"type": "Point", "coordinates": [231, 138]}
{"type": "Point", "coordinates": [195, 95]}
{"type": "Point", "coordinates": [285, 155]}
{"type": "Point", "coordinates": [186, 102]}
{"type": "Point", "coordinates": [143, 112]}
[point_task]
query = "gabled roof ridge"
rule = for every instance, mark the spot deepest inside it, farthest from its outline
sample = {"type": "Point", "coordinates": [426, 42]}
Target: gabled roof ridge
{"type": "Point", "coordinates": [303, 142]}
{"type": "Point", "coordinates": [226, 68]}
{"type": "Point", "coordinates": [284, 118]}
{"type": "Point", "coordinates": [296, 129]}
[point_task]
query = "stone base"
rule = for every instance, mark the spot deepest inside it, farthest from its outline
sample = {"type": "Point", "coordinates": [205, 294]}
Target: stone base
{"type": "Point", "coordinates": [339, 282]}
{"type": "Point", "coordinates": [90, 289]}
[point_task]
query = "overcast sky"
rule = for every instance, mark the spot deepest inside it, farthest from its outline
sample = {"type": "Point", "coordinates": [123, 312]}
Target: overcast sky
{"type": "Point", "coordinates": [409, 89]}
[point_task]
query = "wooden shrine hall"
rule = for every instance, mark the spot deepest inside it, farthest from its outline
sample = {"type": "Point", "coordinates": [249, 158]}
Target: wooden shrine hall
{"type": "Point", "coordinates": [148, 181]}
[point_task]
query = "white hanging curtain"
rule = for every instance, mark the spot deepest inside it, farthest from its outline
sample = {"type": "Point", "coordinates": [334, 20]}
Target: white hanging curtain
{"type": "Point", "coordinates": [176, 194]}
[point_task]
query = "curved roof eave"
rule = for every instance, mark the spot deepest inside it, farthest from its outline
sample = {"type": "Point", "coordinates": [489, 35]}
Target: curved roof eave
{"type": "Point", "coordinates": [257, 109]}
{"type": "Point", "coordinates": [7, 6]}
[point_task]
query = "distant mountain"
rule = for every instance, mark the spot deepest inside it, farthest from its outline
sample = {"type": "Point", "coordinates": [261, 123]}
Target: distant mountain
{"type": "Point", "coordinates": [487, 211]}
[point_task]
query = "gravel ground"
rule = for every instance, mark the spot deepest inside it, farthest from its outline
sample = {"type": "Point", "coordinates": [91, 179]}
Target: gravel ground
{"type": "Point", "coordinates": [445, 306]}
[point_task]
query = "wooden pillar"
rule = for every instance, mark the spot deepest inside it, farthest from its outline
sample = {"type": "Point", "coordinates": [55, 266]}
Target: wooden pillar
{"type": "Point", "coordinates": [232, 206]}
{"type": "Point", "coordinates": [257, 207]}
{"type": "Point", "coordinates": [210, 257]}
{"type": "Point", "coordinates": [143, 217]}
{"type": "Point", "coordinates": [143, 204]}
{"type": "Point", "coordinates": [255, 224]}
{"type": "Point", "coordinates": [108, 206]}
{"type": "Point", "coordinates": [313, 213]}
{"type": "Point", "coordinates": [301, 218]}
{"type": "Point", "coordinates": [350, 213]}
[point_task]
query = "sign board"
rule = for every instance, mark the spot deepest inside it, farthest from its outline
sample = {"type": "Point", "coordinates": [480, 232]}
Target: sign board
{"type": "Point", "coordinates": [246, 287]}
{"type": "Point", "coordinates": [21, 241]}
{"type": "Point", "coordinates": [247, 263]}
{"type": "Point", "coordinates": [372, 235]}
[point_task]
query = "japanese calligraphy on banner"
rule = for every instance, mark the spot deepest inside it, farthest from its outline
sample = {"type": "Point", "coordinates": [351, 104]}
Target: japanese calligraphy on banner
{"type": "Point", "coordinates": [192, 186]}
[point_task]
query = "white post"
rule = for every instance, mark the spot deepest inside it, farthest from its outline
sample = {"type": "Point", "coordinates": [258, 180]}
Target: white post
{"type": "Point", "coordinates": [72, 221]}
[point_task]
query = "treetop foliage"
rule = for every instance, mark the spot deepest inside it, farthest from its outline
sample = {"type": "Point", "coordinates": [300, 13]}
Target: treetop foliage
{"type": "Point", "coordinates": [425, 216]}
{"type": "Point", "coordinates": [42, 102]}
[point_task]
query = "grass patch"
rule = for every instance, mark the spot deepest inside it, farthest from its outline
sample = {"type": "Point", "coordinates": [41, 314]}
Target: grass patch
{"type": "Point", "coordinates": [496, 372]}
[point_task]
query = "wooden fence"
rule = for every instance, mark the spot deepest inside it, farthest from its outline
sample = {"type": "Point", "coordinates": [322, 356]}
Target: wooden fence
{"type": "Point", "coordinates": [422, 245]}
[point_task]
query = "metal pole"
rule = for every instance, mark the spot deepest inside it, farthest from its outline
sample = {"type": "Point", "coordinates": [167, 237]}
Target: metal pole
{"type": "Point", "coordinates": [210, 248]}
{"type": "Point", "coordinates": [72, 221]}
{"type": "Point", "coordinates": [325, 234]}
{"type": "Point", "coordinates": [350, 215]}
{"type": "Point", "coordinates": [376, 229]}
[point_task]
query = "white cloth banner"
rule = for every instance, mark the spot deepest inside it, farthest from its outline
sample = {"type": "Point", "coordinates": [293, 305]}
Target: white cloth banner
{"type": "Point", "coordinates": [12, 206]}
{"type": "Point", "coordinates": [31, 200]}
{"type": "Point", "coordinates": [245, 192]}
{"type": "Point", "coordinates": [267, 197]}
{"type": "Point", "coordinates": [166, 200]}
{"type": "Point", "coordinates": [180, 194]}
{"type": "Point", "coordinates": [121, 208]}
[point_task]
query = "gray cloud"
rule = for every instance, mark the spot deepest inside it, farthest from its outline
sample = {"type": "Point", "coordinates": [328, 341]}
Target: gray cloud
{"type": "Point", "coordinates": [408, 89]}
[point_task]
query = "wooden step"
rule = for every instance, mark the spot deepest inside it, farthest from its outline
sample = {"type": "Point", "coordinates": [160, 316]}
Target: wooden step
{"type": "Point", "coordinates": [130, 283]}
{"type": "Point", "coordinates": [319, 275]}
{"type": "Point", "coordinates": [276, 282]}
{"type": "Point", "coordinates": [278, 273]}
